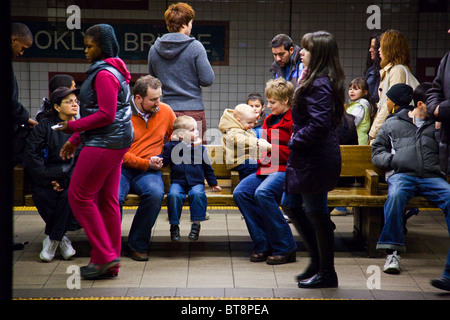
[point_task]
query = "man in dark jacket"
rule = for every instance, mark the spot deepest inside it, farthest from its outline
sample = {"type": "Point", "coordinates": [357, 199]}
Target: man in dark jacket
{"type": "Point", "coordinates": [408, 144]}
{"type": "Point", "coordinates": [21, 39]}
{"type": "Point", "coordinates": [287, 62]}
{"type": "Point", "coordinates": [438, 105]}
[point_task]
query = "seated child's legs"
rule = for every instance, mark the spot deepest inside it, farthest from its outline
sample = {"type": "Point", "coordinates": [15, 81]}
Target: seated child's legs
{"type": "Point", "coordinates": [197, 200]}
{"type": "Point", "coordinates": [175, 199]}
{"type": "Point", "coordinates": [401, 189]}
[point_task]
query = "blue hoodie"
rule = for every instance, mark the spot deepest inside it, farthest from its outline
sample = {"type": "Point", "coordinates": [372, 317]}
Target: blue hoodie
{"type": "Point", "coordinates": [182, 65]}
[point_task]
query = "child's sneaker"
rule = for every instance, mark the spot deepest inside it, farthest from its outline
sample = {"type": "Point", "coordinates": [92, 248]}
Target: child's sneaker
{"type": "Point", "coordinates": [392, 264]}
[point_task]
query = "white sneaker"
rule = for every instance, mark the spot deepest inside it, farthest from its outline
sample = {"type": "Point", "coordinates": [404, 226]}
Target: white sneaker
{"type": "Point", "coordinates": [392, 264]}
{"type": "Point", "coordinates": [67, 251]}
{"type": "Point", "coordinates": [48, 249]}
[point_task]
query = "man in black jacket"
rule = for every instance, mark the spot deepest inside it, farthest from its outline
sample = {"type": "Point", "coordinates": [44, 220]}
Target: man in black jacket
{"type": "Point", "coordinates": [438, 105]}
{"type": "Point", "coordinates": [21, 39]}
{"type": "Point", "coordinates": [408, 144]}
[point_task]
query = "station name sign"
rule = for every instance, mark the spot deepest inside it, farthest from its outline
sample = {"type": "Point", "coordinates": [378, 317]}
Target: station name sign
{"type": "Point", "coordinates": [54, 42]}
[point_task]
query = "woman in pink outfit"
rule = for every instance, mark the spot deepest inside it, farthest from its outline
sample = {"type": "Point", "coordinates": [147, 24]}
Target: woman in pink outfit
{"type": "Point", "coordinates": [106, 132]}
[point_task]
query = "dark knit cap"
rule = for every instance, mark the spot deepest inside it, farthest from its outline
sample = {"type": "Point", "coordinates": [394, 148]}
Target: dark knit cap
{"type": "Point", "coordinates": [104, 35]}
{"type": "Point", "coordinates": [401, 94]}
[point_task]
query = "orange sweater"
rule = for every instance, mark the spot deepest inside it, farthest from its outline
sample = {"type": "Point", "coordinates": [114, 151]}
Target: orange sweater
{"type": "Point", "coordinates": [149, 137]}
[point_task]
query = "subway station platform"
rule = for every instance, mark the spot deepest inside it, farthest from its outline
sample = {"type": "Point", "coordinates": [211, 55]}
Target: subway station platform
{"type": "Point", "coordinates": [217, 266]}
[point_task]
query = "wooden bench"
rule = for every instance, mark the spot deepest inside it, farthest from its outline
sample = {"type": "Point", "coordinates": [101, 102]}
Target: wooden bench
{"type": "Point", "coordinates": [367, 197]}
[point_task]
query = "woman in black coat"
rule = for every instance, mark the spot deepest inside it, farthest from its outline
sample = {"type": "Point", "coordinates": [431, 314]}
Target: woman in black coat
{"type": "Point", "coordinates": [314, 163]}
{"type": "Point", "coordinates": [51, 175]}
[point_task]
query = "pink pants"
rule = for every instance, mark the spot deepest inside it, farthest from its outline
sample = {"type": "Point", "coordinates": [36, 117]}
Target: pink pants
{"type": "Point", "coordinates": [93, 196]}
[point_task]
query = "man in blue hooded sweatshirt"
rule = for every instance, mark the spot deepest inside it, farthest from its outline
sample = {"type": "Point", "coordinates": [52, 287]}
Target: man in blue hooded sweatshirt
{"type": "Point", "coordinates": [180, 62]}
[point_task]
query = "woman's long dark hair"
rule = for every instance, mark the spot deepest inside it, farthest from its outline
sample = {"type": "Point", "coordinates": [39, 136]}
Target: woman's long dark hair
{"type": "Point", "coordinates": [375, 62]}
{"type": "Point", "coordinates": [324, 61]}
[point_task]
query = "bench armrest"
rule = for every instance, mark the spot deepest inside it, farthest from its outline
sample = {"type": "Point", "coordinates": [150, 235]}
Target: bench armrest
{"type": "Point", "coordinates": [371, 182]}
{"type": "Point", "coordinates": [165, 174]}
{"type": "Point", "coordinates": [19, 185]}
{"type": "Point", "coordinates": [234, 176]}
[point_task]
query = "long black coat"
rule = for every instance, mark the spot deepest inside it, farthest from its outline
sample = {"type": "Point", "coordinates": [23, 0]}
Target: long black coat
{"type": "Point", "coordinates": [439, 94]}
{"type": "Point", "coordinates": [314, 163]}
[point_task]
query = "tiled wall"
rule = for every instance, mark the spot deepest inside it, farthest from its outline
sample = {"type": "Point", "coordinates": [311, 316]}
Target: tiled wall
{"type": "Point", "coordinates": [253, 24]}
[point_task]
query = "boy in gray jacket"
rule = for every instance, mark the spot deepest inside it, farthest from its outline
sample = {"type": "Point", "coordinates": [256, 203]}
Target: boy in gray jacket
{"type": "Point", "coordinates": [407, 143]}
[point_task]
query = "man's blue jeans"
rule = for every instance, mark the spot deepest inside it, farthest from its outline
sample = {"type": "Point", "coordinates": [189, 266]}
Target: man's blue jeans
{"type": "Point", "coordinates": [150, 187]}
{"type": "Point", "coordinates": [257, 197]}
{"type": "Point", "coordinates": [176, 197]}
{"type": "Point", "coordinates": [403, 187]}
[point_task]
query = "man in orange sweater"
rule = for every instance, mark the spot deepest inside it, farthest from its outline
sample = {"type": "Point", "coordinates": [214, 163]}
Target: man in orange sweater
{"type": "Point", "coordinates": [152, 123]}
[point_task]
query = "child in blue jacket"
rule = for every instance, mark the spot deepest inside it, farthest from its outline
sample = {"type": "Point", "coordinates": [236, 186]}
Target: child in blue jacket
{"type": "Point", "coordinates": [189, 167]}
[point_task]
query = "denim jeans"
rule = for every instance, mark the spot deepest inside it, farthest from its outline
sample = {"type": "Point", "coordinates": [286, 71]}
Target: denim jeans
{"type": "Point", "coordinates": [176, 197]}
{"type": "Point", "coordinates": [150, 187]}
{"type": "Point", "coordinates": [257, 197]}
{"type": "Point", "coordinates": [245, 169]}
{"type": "Point", "coordinates": [403, 187]}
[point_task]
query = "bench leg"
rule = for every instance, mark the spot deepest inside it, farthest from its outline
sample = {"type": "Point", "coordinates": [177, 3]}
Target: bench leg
{"type": "Point", "coordinates": [367, 226]}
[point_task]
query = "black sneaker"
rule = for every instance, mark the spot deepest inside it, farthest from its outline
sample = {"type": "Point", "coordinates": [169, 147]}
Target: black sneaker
{"type": "Point", "coordinates": [195, 232]}
{"type": "Point", "coordinates": [174, 232]}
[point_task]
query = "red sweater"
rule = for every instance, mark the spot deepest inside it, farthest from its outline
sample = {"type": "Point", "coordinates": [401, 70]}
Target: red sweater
{"type": "Point", "coordinates": [278, 135]}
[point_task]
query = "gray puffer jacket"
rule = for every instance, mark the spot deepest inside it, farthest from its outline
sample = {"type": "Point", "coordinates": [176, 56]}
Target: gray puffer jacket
{"type": "Point", "coordinates": [403, 147]}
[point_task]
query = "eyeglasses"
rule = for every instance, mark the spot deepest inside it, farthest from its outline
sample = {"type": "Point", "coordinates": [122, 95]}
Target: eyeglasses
{"type": "Point", "coordinates": [71, 101]}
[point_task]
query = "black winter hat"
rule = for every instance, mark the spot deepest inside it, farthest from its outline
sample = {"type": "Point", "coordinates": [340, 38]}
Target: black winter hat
{"type": "Point", "coordinates": [60, 93]}
{"type": "Point", "coordinates": [401, 94]}
{"type": "Point", "coordinates": [109, 43]}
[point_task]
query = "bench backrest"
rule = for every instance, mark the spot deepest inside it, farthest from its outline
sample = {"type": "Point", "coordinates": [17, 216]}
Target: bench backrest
{"type": "Point", "coordinates": [356, 160]}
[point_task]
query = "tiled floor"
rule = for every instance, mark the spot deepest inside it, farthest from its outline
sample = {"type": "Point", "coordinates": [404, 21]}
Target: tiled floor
{"type": "Point", "coordinates": [218, 265]}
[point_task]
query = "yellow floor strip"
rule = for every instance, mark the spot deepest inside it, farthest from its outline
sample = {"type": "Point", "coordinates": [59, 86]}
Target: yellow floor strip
{"type": "Point", "coordinates": [32, 208]}
{"type": "Point", "coordinates": [171, 298]}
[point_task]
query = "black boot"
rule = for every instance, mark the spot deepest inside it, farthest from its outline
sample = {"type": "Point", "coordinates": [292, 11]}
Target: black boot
{"type": "Point", "coordinates": [174, 232]}
{"type": "Point", "coordinates": [326, 277]}
{"type": "Point", "coordinates": [304, 227]}
{"type": "Point", "coordinates": [195, 232]}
